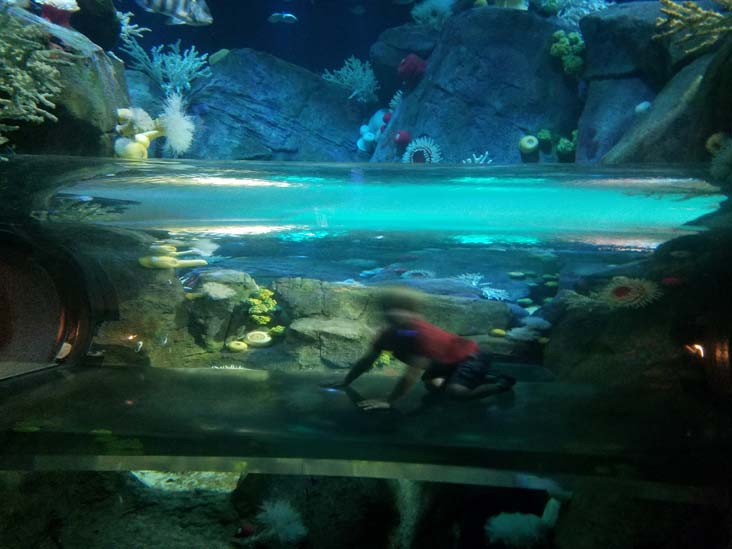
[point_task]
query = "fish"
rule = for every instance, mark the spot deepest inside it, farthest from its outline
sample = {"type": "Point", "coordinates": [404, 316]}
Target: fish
{"type": "Point", "coordinates": [180, 12]}
{"type": "Point", "coordinates": [278, 17]}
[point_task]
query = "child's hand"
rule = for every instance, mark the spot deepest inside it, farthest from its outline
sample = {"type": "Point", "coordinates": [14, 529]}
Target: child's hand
{"type": "Point", "coordinates": [374, 404]}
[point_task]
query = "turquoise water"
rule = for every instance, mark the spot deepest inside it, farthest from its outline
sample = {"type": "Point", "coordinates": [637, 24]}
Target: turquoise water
{"type": "Point", "coordinates": [474, 205]}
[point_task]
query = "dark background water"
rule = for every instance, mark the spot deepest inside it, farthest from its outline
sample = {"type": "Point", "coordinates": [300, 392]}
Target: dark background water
{"type": "Point", "coordinates": [327, 31]}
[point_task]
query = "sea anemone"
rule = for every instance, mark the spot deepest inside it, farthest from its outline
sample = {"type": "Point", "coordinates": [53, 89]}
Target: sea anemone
{"type": "Point", "coordinates": [716, 142]}
{"type": "Point", "coordinates": [629, 293]}
{"type": "Point", "coordinates": [422, 150]}
{"type": "Point", "coordinates": [178, 127]}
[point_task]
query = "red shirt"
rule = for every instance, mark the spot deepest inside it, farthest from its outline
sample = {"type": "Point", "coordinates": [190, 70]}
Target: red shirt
{"type": "Point", "coordinates": [424, 339]}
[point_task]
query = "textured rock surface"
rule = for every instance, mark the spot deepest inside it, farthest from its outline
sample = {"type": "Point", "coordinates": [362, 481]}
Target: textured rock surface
{"type": "Point", "coordinates": [619, 43]}
{"type": "Point", "coordinates": [609, 112]}
{"type": "Point", "coordinates": [256, 106]}
{"type": "Point", "coordinates": [623, 347]}
{"type": "Point", "coordinates": [489, 81]}
{"type": "Point", "coordinates": [673, 130]}
{"type": "Point", "coordinates": [395, 44]}
{"type": "Point", "coordinates": [93, 89]}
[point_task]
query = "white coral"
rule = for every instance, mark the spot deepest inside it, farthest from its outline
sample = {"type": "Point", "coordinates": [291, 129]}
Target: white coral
{"type": "Point", "coordinates": [358, 76]}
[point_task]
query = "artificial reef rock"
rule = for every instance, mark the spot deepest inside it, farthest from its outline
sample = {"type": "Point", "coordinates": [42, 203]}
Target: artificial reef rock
{"type": "Point", "coordinates": [334, 324]}
{"type": "Point", "coordinates": [93, 88]}
{"type": "Point", "coordinates": [256, 106]}
{"type": "Point", "coordinates": [624, 67]}
{"type": "Point", "coordinates": [489, 82]}
{"type": "Point", "coordinates": [395, 44]}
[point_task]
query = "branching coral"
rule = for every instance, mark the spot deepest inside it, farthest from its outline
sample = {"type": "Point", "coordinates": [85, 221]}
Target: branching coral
{"type": "Point", "coordinates": [692, 27]}
{"type": "Point", "coordinates": [173, 71]}
{"type": "Point", "coordinates": [358, 76]}
{"type": "Point", "coordinates": [29, 77]}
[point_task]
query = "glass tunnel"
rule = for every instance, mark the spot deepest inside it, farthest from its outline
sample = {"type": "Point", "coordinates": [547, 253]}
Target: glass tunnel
{"type": "Point", "coordinates": [130, 294]}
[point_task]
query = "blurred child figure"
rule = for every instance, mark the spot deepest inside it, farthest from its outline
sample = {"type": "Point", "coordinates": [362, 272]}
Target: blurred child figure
{"type": "Point", "coordinates": [444, 361]}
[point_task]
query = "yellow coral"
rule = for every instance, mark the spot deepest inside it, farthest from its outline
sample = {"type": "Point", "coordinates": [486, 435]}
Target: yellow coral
{"type": "Point", "coordinates": [688, 22]}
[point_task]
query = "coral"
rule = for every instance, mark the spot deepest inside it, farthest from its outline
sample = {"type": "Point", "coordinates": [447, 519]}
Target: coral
{"type": "Point", "coordinates": [357, 76]}
{"type": "Point", "coordinates": [478, 159]}
{"type": "Point", "coordinates": [172, 71]}
{"type": "Point", "coordinates": [396, 100]}
{"type": "Point", "coordinates": [566, 148]}
{"type": "Point", "coordinates": [494, 294]}
{"type": "Point", "coordinates": [384, 359]}
{"type": "Point", "coordinates": [58, 11]}
{"type": "Point", "coordinates": [276, 330]}
{"type": "Point", "coordinates": [281, 522]}
{"type": "Point", "coordinates": [569, 48]}
{"type": "Point", "coordinates": [176, 125]}
{"type": "Point", "coordinates": [422, 150]}
{"type": "Point", "coordinates": [127, 29]}
{"type": "Point", "coordinates": [432, 12]}
{"type": "Point", "coordinates": [473, 279]}
{"type": "Point", "coordinates": [132, 121]}
{"type": "Point", "coordinates": [167, 262]}
{"type": "Point", "coordinates": [29, 75]}
{"type": "Point", "coordinates": [629, 293]}
{"type": "Point", "coordinates": [692, 27]}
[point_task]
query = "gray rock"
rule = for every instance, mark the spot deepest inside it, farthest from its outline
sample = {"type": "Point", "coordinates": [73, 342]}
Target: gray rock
{"type": "Point", "coordinates": [256, 106]}
{"type": "Point", "coordinates": [608, 113]}
{"type": "Point", "coordinates": [615, 347]}
{"type": "Point", "coordinates": [93, 89]}
{"type": "Point", "coordinates": [673, 129]}
{"type": "Point", "coordinates": [484, 89]}
{"type": "Point", "coordinates": [619, 43]}
{"type": "Point", "coordinates": [338, 342]}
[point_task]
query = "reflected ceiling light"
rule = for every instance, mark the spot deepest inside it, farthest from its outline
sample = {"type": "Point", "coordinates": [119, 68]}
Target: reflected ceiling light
{"type": "Point", "coordinates": [695, 349]}
{"type": "Point", "coordinates": [239, 182]}
{"type": "Point", "coordinates": [234, 230]}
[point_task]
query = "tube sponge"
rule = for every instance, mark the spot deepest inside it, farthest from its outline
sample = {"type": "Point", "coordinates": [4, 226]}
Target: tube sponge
{"type": "Point", "coordinates": [177, 126]}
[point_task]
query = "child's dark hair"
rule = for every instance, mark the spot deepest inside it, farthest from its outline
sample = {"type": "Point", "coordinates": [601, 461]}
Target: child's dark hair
{"type": "Point", "coordinates": [400, 297]}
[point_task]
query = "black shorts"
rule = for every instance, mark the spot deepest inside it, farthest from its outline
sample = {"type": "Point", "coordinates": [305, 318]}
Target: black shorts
{"type": "Point", "coordinates": [469, 373]}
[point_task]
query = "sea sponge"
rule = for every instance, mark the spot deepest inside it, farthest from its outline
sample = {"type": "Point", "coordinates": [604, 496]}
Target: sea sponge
{"type": "Point", "coordinates": [629, 293]}
{"type": "Point", "coordinates": [716, 142]}
{"type": "Point", "coordinates": [258, 338]}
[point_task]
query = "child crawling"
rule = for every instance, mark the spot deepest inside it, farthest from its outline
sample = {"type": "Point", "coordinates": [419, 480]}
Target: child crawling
{"type": "Point", "coordinates": [443, 360]}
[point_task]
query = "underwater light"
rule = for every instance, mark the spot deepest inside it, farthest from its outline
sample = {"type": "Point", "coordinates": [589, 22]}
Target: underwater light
{"type": "Point", "coordinates": [494, 239]}
{"type": "Point", "coordinates": [695, 349]}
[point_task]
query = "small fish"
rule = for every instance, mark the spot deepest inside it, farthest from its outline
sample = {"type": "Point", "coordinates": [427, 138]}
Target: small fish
{"type": "Point", "coordinates": [278, 17]}
{"type": "Point", "coordinates": [181, 12]}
